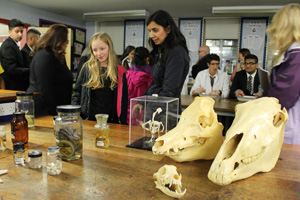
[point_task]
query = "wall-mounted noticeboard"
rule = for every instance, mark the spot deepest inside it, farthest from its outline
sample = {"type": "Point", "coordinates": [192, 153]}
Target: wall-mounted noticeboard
{"type": "Point", "coordinates": [253, 37]}
{"type": "Point", "coordinates": [192, 31]}
{"type": "Point", "coordinates": [134, 33]}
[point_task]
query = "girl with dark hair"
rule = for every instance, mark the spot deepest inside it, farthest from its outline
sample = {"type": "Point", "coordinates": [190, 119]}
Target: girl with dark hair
{"type": "Point", "coordinates": [127, 57]}
{"type": "Point", "coordinates": [139, 76]}
{"type": "Point", "coordinates": [170, 53]}
{"type": "Point", "coordinates": [49, 73]}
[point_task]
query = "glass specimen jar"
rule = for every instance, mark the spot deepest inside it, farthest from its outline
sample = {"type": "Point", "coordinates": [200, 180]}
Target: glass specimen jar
{"type": "Point", "coordinates": [68, 132]}
{"type": "Point", "coordinates": [101, 131]}
{"type": "Point", "coordinates": [25, 103]}
{"type": "Point", "coordinates": [54, 163]}
{"type": "Point", "coordinates": [35, 159]}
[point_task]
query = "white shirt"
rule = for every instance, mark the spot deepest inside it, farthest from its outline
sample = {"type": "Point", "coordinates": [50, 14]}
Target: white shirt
{"type": "Point", "coordinates": [221, 82]}
{"type": "Point", "coordinates": [253, 75]}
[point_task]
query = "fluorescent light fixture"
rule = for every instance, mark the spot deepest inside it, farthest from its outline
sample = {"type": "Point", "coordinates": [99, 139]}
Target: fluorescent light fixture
{"type": "Point", "coordinates": [238, 10]}
{"type": "Point", "coordinates": [116, 14]}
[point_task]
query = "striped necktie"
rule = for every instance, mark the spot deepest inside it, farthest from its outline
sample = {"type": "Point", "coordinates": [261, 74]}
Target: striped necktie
{"type": "Point", "coordinates": [249, 85]}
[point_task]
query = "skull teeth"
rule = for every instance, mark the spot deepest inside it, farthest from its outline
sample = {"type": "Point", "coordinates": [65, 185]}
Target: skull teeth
{"type": "Point", "coordinates": [250, 159]}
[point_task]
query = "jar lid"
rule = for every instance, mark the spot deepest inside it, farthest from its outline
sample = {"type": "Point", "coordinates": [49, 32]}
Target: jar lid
{"type": "Point", "coordinates": [53, 148]}
{"type": "Point", "coordinates": [18, 146]}
{"type": "Point", "coordinates": [34, 154]}
{"type": "Point", "coordinates": [24, 93]}
{"type": "Point", "coordinates": [19, 113]}
{"type": "Point", "coordinates": [68, 108]}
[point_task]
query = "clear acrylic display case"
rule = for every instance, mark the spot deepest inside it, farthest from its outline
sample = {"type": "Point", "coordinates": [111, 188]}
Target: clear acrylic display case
{"type": "Point", "coordinates": [151, 117]}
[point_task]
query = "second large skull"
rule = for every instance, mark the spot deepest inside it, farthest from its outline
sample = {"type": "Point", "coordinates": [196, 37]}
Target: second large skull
{"type": "Point", "coordinates": [252, 143]}
{"type": "Point", "coordinates": [198, 134]}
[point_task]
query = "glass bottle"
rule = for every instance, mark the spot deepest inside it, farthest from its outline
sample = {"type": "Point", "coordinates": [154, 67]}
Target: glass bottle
{"type": "Point", "coordinates": [19, 128]}
{"type": "Point", "coordinates": [101, 131]}
{"type": "Point", "coordinates": [35, 159]}
{"type": "Point", "coordinates": [19, 153]}
{"type": "Point", "coordinates": [25, 103]}
{"type": "Point", "coordinates": [68, 132]}
{"type": "Point", "coordinates": [2, 138]}
{"type": "Point", "coordinates": [54, 164]}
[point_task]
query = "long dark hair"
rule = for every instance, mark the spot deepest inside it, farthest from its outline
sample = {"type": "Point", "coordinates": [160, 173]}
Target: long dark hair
{"type": "Point", "coordinates": [140, 56]}
{"type": "Point", "coordinates": [174, 38]}
{"type": "Point", "coordinates": [53, 40]}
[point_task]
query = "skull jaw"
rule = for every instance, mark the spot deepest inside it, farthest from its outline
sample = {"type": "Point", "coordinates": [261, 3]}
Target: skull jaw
{"type": "Point", "coordinates": [206, 151]}
{"type": "Point", "coordinates": [238, 174]}
{"type": "Point", "coordinates": [168, 192]}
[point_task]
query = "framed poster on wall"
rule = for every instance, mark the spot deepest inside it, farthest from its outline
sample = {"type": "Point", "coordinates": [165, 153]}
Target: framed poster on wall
{"type": "Point", "coordinates": [134, 33]}
{"type": "Point", "coordinates": [192, 31]}
{"type": "Point", "coordinates": [253, 37]}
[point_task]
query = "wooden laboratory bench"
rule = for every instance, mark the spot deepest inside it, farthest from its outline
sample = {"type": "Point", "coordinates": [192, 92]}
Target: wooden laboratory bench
{"type": "Point", "coordinates": [126, 173]}
{"type": "Point", "coordinates": [10, 95]}
{"type": "Point", "coordinates": [223, 107]}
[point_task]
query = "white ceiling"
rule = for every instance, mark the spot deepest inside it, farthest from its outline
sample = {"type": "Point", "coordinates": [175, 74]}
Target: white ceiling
{"type": "Point", "coordinates": [177, 8]}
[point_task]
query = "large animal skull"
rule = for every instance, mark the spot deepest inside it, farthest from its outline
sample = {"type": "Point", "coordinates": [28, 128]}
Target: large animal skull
{"type": "Point", "coordinates": [198, 134]}
{"type": "Point", "coordinates": [252, 143]}
{"type": "Point", "coordinates": [168, 181]}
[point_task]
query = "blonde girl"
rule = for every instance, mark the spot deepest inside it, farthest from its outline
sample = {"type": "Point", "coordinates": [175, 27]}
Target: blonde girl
{"type": "Point", "coordinates": [284, 33]}
{"type": "Point", "coordinates": [101, 85]}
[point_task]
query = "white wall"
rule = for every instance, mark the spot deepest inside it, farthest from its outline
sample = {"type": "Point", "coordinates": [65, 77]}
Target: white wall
{"type": "Point", "coordinates": [116, 31]}
{"type": "Point", "coordinates": [10, 10]}
{"type": "Point", "coordinates": [222, 28]}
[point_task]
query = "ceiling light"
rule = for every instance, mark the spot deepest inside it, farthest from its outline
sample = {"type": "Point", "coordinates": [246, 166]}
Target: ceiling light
{"type": "Point", "coordinates": [239, 10]}
{"type": "Point", "coordinates": [124, 14]}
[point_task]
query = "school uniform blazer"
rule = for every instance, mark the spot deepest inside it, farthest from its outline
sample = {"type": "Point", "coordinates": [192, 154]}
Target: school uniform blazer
{"type": "Point", "coordinates": [16, 75]}
{"type": "Point", "coordinates": [240, 82]}
{"type": "Point", "coordinates": [26, 55]}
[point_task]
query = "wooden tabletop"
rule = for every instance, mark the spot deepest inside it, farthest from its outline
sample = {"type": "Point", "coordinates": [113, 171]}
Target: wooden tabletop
{"type": "Point", "coordinates": [226, 105]}
{"type": "Point", "coordinates": [10, 95]}
{"type": "Point", "coordinates": [126, 173]}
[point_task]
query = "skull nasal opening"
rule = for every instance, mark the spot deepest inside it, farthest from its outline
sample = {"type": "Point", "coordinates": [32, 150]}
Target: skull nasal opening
{"type": "Point", "coordinates": [231, 145]}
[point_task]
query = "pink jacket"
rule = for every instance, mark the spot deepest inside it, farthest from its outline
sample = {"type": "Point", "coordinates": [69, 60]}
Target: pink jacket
{"type": "Point", "coordinates": [137, 82]}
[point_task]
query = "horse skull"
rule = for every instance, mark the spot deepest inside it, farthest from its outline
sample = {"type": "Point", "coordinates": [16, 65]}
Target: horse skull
{"type": "Point", "coordinates": [252, 143]}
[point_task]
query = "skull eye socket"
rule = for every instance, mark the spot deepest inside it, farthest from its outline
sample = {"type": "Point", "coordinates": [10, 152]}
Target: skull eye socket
{"type": "Point", "coordinates": [232, 144]}
{"type": "Point", "coordinates": [176, 177]}
{"type": "Point", "coordinates": [278, 119]}
{"type": "Point", "coordinates": [205, 121]}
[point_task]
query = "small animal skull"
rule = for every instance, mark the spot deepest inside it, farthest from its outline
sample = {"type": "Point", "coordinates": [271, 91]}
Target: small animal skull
{"type": "Point", "coordinates": [168, 181]}
{"type": "Point", "coordinates": [198, 134]}
{"type": "Point", "coordinates": [252, 143]}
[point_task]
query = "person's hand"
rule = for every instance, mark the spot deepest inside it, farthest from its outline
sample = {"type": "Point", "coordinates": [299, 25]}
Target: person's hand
{"type": "Point", "coordinates": [200, 90]}
{"type": "Point", "coordinates": [239, 93]}
{"type": "Point", "coordinates": [215, 93]}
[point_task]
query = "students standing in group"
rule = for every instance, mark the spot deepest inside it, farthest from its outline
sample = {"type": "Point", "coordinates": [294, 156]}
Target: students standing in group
{"type": "Point", "coordinates": [16, 75]}
{"type": "Point", "coordinates": [284, 32]}
{"type": "Point", "coordinates": [171, 56]}
{"type": "Point", "coordinates": [49, 73]}
{"type": "Point", "coordinates": [101, 86]}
